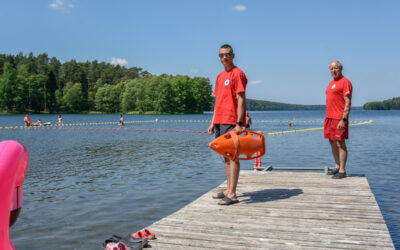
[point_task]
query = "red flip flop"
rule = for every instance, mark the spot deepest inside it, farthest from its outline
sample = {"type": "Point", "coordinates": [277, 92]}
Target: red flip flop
{"type": "Point", "coordinates": [149, 235]}
{"type": "Point", "coordinates": [138, 235]}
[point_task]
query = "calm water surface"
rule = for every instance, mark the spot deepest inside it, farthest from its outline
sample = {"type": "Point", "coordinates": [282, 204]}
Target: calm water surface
{"type": "Point", "coordinates": [82, 186]}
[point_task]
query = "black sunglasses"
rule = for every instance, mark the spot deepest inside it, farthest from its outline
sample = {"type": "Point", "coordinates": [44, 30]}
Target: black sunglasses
{"type": "Point", "coordinates": [228, 55]}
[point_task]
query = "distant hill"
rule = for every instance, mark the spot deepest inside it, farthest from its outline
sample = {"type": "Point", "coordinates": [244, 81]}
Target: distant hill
{"type": "Point", "coordinates": [388, 104]}
{"type": "Point", "coordinates": [252, 104]}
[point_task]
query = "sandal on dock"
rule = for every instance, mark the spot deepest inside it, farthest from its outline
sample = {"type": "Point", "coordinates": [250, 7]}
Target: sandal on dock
{"type": "Point", "coordinates": [219, 195]}
{"type": "Point", "coordinates": [333, 171]}
{"type": "Point", "coordinates": [149, 235]}
{"type": "Point", "coordinates": [228, 201]}
{"type": "Point", "coordinates": [145, 234]}
{"type": "Point", "coordinates": [339, 175]}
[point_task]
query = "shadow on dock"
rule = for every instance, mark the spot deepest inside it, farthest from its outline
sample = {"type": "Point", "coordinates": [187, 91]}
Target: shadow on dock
{"type": "Point", "coordinates": [268, 195]}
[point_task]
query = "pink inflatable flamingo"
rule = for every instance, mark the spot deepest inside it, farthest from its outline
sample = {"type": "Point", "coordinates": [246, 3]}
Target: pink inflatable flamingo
{"type": "Point", "coordinates": [13, 165]}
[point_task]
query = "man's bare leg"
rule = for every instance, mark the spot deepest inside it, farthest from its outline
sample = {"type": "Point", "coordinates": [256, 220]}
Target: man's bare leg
{"type": "Point", "coordinates": [342, 151]}
{"type": "Point", "coordinates": [228, 177]}
{"type": "Point", "coordinates": [335, 152]}
{"type": "Point", "coordinates": [234, 170]}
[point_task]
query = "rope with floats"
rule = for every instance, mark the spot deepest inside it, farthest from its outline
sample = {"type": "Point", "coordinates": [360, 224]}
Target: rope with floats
{"type": "Point", "coordinates": [169, 121]}
{"type": "Point", "coordinates": [314, 129]}
{"type": "Point", "coordinates": [52, 128]}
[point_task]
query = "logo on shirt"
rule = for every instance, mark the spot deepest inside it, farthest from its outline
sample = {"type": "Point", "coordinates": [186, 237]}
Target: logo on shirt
{"type": "Point", "coordinates": [226, 82]}
{"type": "Point", "coordinates": [333, 86]}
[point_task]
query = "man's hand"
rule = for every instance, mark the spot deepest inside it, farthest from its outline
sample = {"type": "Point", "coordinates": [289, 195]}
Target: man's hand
{"type": "Point", "coordinates": [341, 125]}
{"type": "Point", "coordinates": [211, 129]}
{"type": "Point", "coordinates": [238, 129]}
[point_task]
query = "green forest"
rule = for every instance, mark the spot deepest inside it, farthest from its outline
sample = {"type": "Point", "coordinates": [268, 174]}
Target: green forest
{"type": "Point", "coordinates": [393, 103]}
{"type": "Point", "coordinates": [37, 84]}
{"type": "Point", "coordinates": [43, 84]}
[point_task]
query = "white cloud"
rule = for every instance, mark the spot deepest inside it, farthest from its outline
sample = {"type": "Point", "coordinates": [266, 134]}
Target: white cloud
{"type": "Point", "coordinates": [239, 8]}
{"type": "Point", "coordinates": [194, 71]}
{"type": "Point", "coordinates": [62, 5]}
{"type": "Point", "coordinates": [119, 61]}
{"type": "Point", "coordinates": [255, 82]}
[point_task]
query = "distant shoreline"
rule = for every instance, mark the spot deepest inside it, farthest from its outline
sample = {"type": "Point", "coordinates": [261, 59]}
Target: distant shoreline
{"type": "Point", "coordinates": [152, 113]}
{"type": "Point", "coordinates": [389, 104]}
{"type": "Point", "coordinates": [253, 105]}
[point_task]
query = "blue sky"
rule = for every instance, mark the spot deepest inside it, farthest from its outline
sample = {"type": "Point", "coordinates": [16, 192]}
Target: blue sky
{"type": "Point", "coordinates": [284, 47]}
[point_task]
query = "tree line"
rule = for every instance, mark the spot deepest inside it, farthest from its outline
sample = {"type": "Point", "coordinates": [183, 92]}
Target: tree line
{"type": "Point", "coordinates": [267, 105]}
{"type": "Point", "coordinates": [40, 83]}
{"type": "Point", "coordinates": [388, 104]}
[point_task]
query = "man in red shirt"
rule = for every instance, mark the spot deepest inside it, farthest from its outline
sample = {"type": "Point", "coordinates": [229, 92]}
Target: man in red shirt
{"type": "Point", "coordinates": [229, 114]}
{"type": "Point", "coordinates": [336, 127]}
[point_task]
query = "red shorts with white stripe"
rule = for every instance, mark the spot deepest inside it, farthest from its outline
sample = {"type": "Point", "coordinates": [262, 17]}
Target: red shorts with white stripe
{"type": "Point", "coordinates": [332, 132]}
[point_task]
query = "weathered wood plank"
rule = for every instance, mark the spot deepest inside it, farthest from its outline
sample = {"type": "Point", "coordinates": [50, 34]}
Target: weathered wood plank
{"type": "Point", "coordinates": [257, 239]}
{"type": "Point", "coordinates": [281, 228]}
{"type": "Point", "coordinates": [280, 210]}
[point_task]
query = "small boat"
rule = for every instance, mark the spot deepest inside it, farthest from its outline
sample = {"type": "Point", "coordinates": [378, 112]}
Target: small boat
{"type": "Point", "coordinates": [39, 125]}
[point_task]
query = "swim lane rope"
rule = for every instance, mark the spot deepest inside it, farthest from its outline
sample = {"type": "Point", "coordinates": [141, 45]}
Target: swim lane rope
{"type": "Point", "coordinates": [156, 130]}
{"type": "Point", "coordinates": [293, 122]}
{"type": "Point", "coordinates": [313, 129]}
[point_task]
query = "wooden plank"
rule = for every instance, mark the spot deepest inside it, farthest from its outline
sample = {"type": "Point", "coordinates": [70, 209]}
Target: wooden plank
{"type": "Point", "coordinates": [286, 227]}
{"type": "Point", "coordinates": [280, 210]}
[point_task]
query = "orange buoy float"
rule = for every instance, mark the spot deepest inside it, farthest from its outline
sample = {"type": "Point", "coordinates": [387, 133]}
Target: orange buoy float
{"type": "Point", "coordinates": [233, 145]}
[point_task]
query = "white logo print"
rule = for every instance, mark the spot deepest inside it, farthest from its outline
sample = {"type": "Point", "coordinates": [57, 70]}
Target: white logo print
{"type": "Point", "coordinates": [333, 86]}
{"type": "Point", "coordinates": [227, 82]}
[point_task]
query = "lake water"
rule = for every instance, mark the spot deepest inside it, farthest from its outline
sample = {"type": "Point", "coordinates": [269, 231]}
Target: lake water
{"type": "Point", "coordinates": [82, 186]}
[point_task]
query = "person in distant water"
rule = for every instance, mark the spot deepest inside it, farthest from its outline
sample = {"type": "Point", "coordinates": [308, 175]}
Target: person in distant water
{"type": "Point", "coordinates": [249, 125]}
{"type": "Point", "coordinates": [290, 124]}
{"type": "Point", "coordinates": [60, 120]}
{"type": "Point", "coordinates": [39, 123]}
{"type": "Point", "coordinates": [121, 120]}
{"type": "Point", "coordinates": [27, 120]}
{"type": "Point", "coordinates": [336, 127]}
{"type": "Point", "coordinates": [229, 114]}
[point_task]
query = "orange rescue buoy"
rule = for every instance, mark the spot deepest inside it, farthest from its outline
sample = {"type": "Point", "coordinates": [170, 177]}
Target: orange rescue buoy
{"type": "Point", "coordinates": [233, 146]}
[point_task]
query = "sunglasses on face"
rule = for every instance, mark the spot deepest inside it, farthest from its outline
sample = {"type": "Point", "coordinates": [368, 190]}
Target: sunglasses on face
{"type": "Point", "coordinates": [228, 55]}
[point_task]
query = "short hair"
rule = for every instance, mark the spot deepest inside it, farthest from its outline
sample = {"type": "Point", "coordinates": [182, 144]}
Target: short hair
{"type": "Point", "coordinates": [226, 46]}
{"type": "Point", "coordinates": [338, 63]}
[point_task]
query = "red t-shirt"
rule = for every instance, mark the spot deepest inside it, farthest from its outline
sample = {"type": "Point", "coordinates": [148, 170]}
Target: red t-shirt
{"type": "Point", "coordinates": [227, 86]}
{"type": "Point", "coordinates": [335, 93]}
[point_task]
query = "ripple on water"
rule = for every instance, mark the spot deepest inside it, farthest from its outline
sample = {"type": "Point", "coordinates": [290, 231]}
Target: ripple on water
{"type": "Point", "coordinates": [83, 186]}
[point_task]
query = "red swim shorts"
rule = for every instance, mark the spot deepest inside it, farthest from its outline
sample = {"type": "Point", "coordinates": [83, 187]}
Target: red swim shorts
{"type": "Point", "coordinates": [331, 131]}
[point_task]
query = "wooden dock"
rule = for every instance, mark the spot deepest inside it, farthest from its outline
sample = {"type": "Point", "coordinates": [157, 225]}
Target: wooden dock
{"type": "Point", "coordinates": [280, 210]}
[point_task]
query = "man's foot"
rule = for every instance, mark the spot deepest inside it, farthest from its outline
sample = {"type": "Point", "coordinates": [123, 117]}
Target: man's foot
{"type": "Point", "coordinates": [339, 175]}
{"type": "Point", "coordinates": [219, 195]}
{"type": "Point", "coordinates": [226, 201]}
{"type": "Point", "coordinates": [333, 171]}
